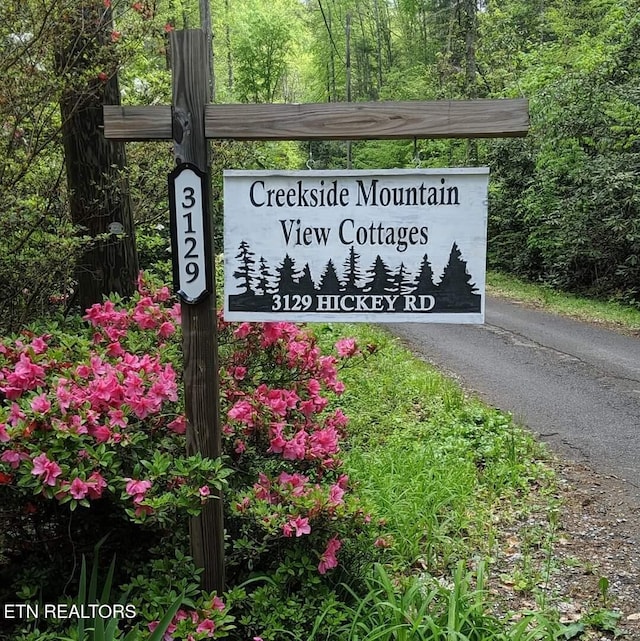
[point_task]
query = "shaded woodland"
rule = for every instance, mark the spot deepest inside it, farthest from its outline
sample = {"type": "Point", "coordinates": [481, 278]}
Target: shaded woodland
{"type": "Point", "coordinates": [564, 201]}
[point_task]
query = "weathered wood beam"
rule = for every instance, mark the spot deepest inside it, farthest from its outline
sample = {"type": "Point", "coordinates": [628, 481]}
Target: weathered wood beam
{"type": "Point", "coordinates": [199, 340]}
{"type": "Point", "coordinates": [138, 123]}
{"type": "Point", "coordinates": [333, 121]}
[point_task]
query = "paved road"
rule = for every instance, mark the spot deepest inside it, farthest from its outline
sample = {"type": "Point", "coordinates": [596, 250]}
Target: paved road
{"type": "Point", "coordinates": [574, 384]}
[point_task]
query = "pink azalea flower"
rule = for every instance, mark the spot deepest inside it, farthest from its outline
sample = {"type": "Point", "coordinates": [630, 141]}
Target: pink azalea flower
{"type": "Point", "coordinates": [137, 489]}
{"type": "Point", "coordinates": [300, 525]}
{"type": "Point", "coordinates": [239, 373]}
{"type": "Point", "coordinates": [16, 414]}
{"type": "Point", "coordinates": [166, 329]}
{"type": "Point", "coordinates": [78, 489]}
{"type": "Point", "coordinates": [295, 448]}
{"type": "Point", "coordinates": [42, 466]}
{"type": "Point", "coordinates": [176, 313]}
{"type": "Point", "coordinates": [277, 441]}
{"type": "Point", "coordinates": [95, 485]}
{"type": "Point", "coordinates": [346, 347]}
{"type": "Point", "coordinates": [217, 604]}
{"type": "Point", "coordinates": [178, 425]}
{"type": "Point", "coordinates": [101, 433]}
{"type": "Point", "coordinates": [12, 458]}
{"type": "Point", "coordinates": [271, 333]}
{"type": "Point", "coordinates": [4, 436]}
{"type": "Point", "coordinates": [162, 295]}
{"type": "Point", "coordinates": [296, 481]}
{"type": "Point", "coordinates": [207, 626]}
{"type": "Point", "coordinates": [63, 395]}
{"type": "Point", "coordinates": [323, 442]}
{"type": "Point", "coordinates": [117, 418]}
{"type": "Point", "coordinates": [26, 375]}
{"type": "Point", "coordinates": [329, 560]}
{"type": "Point", "coordinates": [243, 330]}
{"type": "Point", "coordinates": [242, 411]}
{"type": "Point", "coordinates": [39, 345]}
{"type": "Point", "coordinates": [335, 495]}
{"type": "Point", "coordinates": [115, 349]}
{"type": "Point", "coordinates": [204, 491]}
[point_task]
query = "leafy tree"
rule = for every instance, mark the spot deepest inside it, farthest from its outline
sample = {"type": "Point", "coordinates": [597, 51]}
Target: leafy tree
{"type": "Point", "coordinates": [58, 62]}
{"type": "Point", "coordinates": [564, 201]}
{"type": "Point", "coordinates": [98, 189]}
{"type": "Point", "coordinates": [261, 39]}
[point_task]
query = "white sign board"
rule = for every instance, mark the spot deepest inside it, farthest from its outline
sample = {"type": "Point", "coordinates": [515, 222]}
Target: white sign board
{"type": "Point", "coordinates": [190, 236]}
{"type": "Point", "coordinates": [372, 246]}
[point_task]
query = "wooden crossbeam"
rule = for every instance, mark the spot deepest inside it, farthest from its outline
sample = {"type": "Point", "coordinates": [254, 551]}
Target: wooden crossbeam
{"type": "Point", "coordinates": [332, 121]}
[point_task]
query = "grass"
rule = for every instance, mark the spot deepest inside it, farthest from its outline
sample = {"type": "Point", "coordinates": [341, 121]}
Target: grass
{"type": "Point", "coordinates": [611, 313]}
{"type": "Point", "coordinates": [444, 472]}
{"type": "Point", "coordinates": [436, 467]}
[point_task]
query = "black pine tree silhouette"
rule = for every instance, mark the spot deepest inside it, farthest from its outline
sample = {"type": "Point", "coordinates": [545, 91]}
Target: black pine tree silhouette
{"type": "Point", "coordinates": [402, 285]}
{"type": "Point", "coordinates": [264, 281]}
{"type": "Point", "coordinates": [381, 281]}
{"type": "Point", "coordinates": [329, 283]}
{"type": "Point", "coordinates": [305, 282]}
{"type": "Point", "coordinates": [245, 271]}
{"type": "Point", "coordinates": [424, 280]}
{"type": "Point", "coordinates": [352, 274]}
{"type": "Point", "coordinates": [287, 277]}
{"type": "Point", "coordinates": [456, 278]}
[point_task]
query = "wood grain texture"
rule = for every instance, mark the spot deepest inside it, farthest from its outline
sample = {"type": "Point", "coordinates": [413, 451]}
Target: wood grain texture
{"type": "Point", "coordinates": [368, 120]}
{"type": "Point", "coordinates": [333, 121]}
{"type": "Point", "coordinates": [199, 340]}
{"type": "Point", "coordinates": [137, 123]}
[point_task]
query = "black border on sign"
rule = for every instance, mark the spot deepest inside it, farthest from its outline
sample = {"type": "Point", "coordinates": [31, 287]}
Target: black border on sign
{"type": "Point", "coordinates": [206, 227]}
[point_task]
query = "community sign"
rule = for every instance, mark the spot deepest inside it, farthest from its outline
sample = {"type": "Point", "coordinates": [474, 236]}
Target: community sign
{"type": "Point", "coordinates": [371, 246]}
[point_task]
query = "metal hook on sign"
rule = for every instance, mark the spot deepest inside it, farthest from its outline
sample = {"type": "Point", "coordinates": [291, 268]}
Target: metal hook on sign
{"type": "Point", "coordinates": [309, 162]}
{"type": "Point", "coordinates": [417, 159]}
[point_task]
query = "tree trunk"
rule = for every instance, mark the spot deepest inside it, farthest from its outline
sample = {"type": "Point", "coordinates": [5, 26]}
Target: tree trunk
{"type": "Point", "coordinates": [96, 176]}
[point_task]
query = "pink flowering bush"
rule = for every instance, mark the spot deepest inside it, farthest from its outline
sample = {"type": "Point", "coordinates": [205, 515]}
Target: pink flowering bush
{"type": "Point", "coordinates": [92, 422]}
{"type": "Point", "coordinates": [92, 442]}
{"type": "Point", "coordinates": [82, 419]}
{"type": "Point", "coordinates": [292, 514]}
{"type": "Point", "coordinates": [284, 438]}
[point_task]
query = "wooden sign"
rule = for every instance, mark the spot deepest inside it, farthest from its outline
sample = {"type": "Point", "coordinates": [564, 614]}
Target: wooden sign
{"type": "Point", "coordinates": [381, 246]}
{"type": "Point", "coordinates": [190, 237]}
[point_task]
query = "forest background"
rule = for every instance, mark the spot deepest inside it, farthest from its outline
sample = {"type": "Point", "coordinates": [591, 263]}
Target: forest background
{"type": "Point", "coordinates": [564, 200]}
{"type": "Point", "coordinates": [80, 216]}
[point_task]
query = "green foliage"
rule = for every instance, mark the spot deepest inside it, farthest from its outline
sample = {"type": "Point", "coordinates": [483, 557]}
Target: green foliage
{"type": "Point", "coordinates": [564, 205]}
{"type": "Point", "coordinates": [261, 42]}
{"type": "Point", "coordinates": [420, 608]}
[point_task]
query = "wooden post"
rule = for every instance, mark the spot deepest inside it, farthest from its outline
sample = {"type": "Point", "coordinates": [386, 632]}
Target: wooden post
{"type": "Point", "coordinates": [190, 92]}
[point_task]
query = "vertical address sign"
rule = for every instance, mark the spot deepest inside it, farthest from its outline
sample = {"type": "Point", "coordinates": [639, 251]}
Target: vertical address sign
{"type": "Point", "coordinates": [190, 237]}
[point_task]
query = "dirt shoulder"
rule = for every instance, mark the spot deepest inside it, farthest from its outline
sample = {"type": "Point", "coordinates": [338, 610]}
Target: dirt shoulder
{"type": "Point", "coordinates": [600, 527]}
{"type": "Point", "coordinates": [592, 545]}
